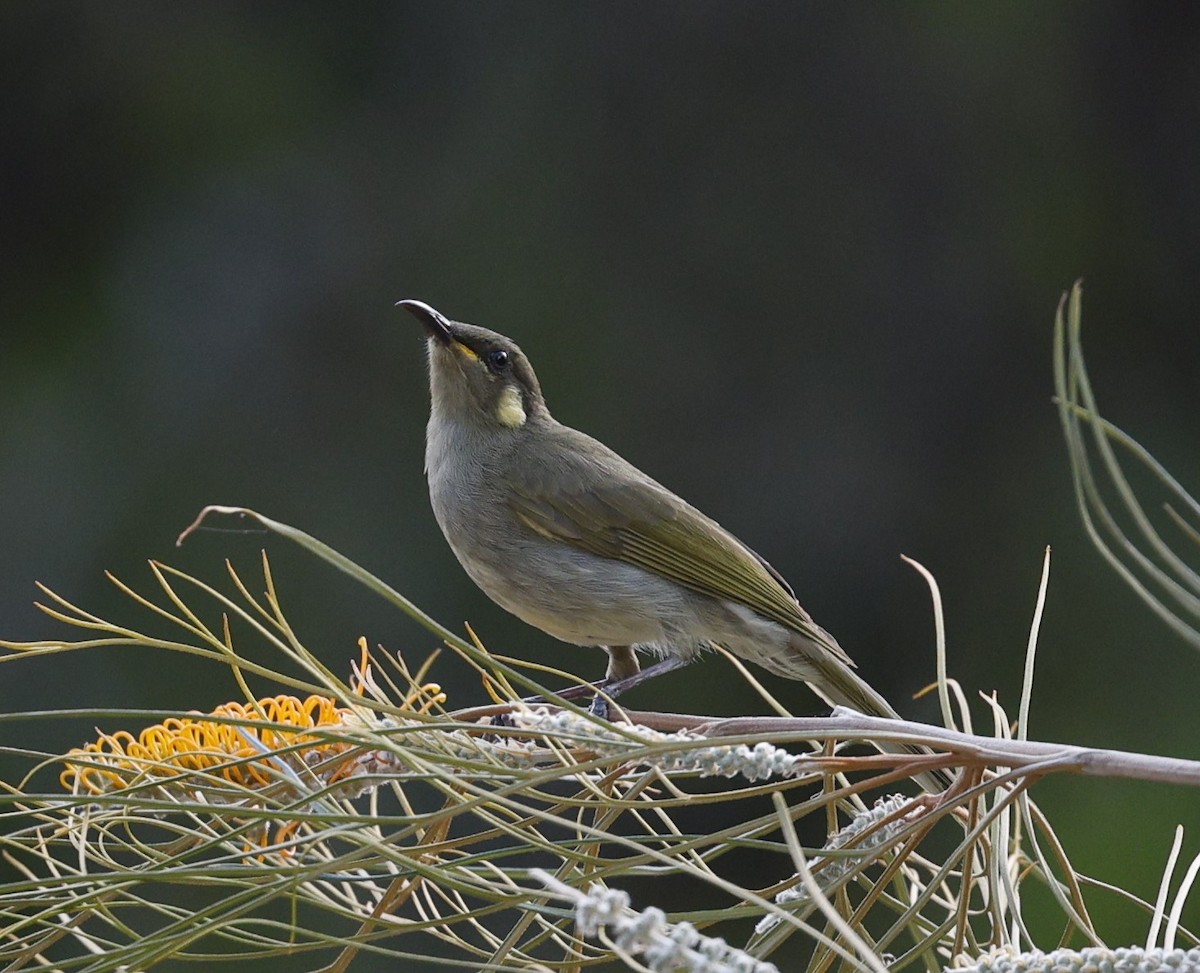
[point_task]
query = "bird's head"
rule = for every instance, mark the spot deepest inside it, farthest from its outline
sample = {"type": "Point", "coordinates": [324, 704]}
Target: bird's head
{"type": "Point", "coordinates": [477, 375]}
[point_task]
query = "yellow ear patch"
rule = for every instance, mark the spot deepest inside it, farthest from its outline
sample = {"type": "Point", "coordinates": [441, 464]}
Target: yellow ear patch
{"type": "Point", "coordinates": [464, 350]}
{"type": "Point", "coordinates": [509, 409]}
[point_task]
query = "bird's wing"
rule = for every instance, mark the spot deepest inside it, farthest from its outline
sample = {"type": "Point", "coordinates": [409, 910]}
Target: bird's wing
{"type": "Point", "coordinates": [614, 510]}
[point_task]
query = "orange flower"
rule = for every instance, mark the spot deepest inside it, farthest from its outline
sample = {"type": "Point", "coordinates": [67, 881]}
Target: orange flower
{"type": "Point", "coordinates": [247, 754]}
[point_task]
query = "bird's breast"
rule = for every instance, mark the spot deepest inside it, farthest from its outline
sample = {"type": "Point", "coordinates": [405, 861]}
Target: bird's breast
{"type": "Point", "coordinates": [574, 595]}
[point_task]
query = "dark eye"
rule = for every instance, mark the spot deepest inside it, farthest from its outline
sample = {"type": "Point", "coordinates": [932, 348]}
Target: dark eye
{"type": "Point", "coordinates": [497, 360]}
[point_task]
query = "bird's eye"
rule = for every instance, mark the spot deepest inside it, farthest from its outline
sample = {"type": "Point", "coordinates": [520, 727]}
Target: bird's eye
{"type": "Point", "coordinates": [497, 360]}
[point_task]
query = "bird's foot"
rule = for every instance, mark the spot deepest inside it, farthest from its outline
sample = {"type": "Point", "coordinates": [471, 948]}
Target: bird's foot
{"type": "Point", "coordinates": [611, 689]}
{"type": "Point", "coordinates": [604, 690]}
{"type": "Point", "coordinates": [618, 686]}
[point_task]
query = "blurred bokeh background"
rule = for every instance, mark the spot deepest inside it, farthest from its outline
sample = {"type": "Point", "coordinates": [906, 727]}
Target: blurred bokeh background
{"type": "Point", "coordinates": [799, 262]}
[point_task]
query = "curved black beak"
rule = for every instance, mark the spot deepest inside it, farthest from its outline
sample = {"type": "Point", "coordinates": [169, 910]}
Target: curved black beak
{"type": "Point", "coordinates": [435, 323]}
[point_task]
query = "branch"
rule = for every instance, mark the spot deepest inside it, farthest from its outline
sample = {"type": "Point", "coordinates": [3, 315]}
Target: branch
{"type": "Point", "coordinates": [845, 724]}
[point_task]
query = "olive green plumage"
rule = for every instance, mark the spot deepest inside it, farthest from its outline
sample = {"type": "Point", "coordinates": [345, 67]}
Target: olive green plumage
{"type": "Point", "coordinates": [558, 529]}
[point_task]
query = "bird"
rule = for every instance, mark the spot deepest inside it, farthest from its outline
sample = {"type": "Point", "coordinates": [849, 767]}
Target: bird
{"type": "Point", "coordinates": [561, 531]}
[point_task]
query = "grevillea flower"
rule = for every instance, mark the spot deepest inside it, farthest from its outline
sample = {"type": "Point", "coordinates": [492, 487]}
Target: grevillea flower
{"type": "Point", "coordinates": [264, 742]}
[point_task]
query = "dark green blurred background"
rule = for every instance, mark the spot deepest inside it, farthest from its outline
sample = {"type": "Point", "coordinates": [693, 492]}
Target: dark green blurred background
{"type": "Point", "coordinates": [799, 262]}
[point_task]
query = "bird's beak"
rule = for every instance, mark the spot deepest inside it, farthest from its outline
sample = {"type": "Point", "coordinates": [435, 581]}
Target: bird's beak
{"type": "Point", "coordinates": [435, 323]}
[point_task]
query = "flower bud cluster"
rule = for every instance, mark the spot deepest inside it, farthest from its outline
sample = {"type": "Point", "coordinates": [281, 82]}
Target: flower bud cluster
{"type": "Point", "coordinates": [837, 867]}
{"type": "Point", "coordinates": [1092, 959]}
{"type": "Point", "coordinates": [664, 946]}
{"type": "Point", "coordinates": [762, 761]}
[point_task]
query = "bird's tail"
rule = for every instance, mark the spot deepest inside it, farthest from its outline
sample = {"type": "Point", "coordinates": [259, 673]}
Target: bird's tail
{"type": "Point", "coordinates": [839, 685]}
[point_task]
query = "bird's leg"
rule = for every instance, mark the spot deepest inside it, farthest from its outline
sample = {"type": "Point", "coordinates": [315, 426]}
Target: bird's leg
{"type": "Point", "coordinates": [615, 687]}
{"type": "Point", "coordinates": [624, 672]}
{"type": "Point", "coordinates": [622, 663]}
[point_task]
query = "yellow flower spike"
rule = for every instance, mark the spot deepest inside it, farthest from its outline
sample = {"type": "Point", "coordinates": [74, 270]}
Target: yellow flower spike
{"type": "Point", "coordinates": [284, 833]}
{"type": "Point", "coordinates": [363, 675]}
{"type": "Point", "coordinates": [489, 686]}
{"type": "Point", "coordinates": [428, 695]}
{"type": "Point", "coordinates": [179, 745]}
{"type": "Point", "coordinates": [244, 746]}
{"type": "Point", "coordinates": [505, 693]}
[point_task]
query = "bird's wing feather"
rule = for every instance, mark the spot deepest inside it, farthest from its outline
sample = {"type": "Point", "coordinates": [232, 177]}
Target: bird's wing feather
{"type": "Point", "coordinates": [616, 511]}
